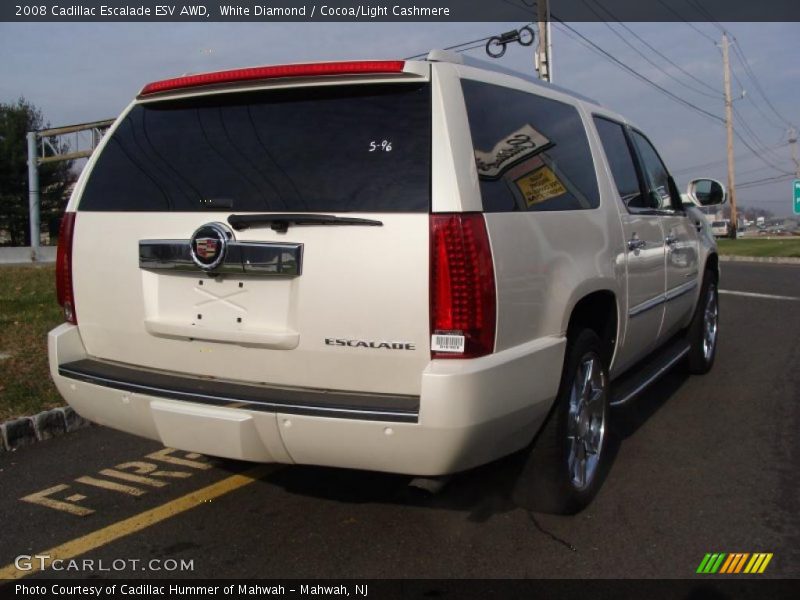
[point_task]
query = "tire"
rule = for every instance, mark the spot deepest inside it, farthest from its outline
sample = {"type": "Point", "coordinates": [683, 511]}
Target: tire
{"type": "Point", "coordinates": [572, 453]}
{"type": "Point", "coordinates": [703, 331]}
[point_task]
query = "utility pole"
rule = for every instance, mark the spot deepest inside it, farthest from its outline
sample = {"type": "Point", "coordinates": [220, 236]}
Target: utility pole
{"type": "Point", "coordinates": [33, 193]}
{"type": "Point", "coordinates": [729, 123]}
{"type": "Point", "coordinates": [543, 58]}
{"type": "Point", "coordinates": [793, 144]}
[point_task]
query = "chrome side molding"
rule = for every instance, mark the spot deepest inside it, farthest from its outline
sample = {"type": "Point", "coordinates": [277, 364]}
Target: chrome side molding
{"type": "Point", "coordinates": [242, 258]}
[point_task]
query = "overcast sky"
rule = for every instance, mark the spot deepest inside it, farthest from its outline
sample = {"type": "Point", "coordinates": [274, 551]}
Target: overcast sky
{"type": "Point", "coordinates": [89, 71]}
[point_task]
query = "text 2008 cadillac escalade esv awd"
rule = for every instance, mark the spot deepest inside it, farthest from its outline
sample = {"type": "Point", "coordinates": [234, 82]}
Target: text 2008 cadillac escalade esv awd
{"type": "Point", "coordinates": [403, 266]}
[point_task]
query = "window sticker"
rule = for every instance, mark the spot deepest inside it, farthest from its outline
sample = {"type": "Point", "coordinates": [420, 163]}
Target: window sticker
{"type": "Point", "coordinates": [540, 185]}
{"type": "Point", "coordinates": [523, 143]}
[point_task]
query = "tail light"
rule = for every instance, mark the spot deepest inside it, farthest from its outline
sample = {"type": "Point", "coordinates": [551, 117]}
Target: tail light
{"type": "Point", "coordinates": [462, 288]}
{"type": "Point", "coordinates": [66, 298]}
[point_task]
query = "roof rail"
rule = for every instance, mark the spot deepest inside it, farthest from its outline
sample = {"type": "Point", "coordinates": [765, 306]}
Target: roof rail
{"type": "Point", "coordinates": [461, 59]}
{"type": "Point", "coordinates": [445, 56]}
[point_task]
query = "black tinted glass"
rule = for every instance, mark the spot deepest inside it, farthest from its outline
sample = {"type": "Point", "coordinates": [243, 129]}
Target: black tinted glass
{"type": "Point", "coordinates": [359, 148]}
{"type": "Point", "coordinates": [620, 161]}
{"type": "Point", "coordinates": [531, 152]}
{"type": "Point", "coordinates": [656, 172]}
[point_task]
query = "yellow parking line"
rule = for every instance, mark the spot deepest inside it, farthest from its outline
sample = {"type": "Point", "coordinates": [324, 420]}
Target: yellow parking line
{"type": "Point", "coordinates": [120, 529]}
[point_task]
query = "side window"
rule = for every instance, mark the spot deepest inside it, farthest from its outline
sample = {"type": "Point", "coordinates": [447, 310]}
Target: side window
{"type": "Point", "coordinates": [620, 160]}
{"type": "Point", "coordinates": [661, 190]}
{"type": "Point", "coordinates": [532, 153]}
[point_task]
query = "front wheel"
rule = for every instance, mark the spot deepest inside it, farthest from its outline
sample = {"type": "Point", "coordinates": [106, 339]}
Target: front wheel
{"type": "Point", "coordinates": [571, 455]}
{"type": "Point", "coordinates": [703, 332]}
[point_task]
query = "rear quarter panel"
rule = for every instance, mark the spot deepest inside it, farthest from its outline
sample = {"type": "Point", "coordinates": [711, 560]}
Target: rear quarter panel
{"type": "Point", "coordinates": [545, 262]}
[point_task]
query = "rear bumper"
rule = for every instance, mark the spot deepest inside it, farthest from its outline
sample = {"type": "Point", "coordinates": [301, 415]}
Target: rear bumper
{"type": "Point", "coordinates": [469, 412]}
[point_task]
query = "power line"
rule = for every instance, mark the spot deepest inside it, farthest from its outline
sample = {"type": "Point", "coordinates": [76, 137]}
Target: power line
{"type": "Point", "coordinates": [638, 75]}
{"type": "Point", "coordinates": [759, 142]}
{"type": "Point", "coordinates": [752, 101]}
{"type": "Point", "coordinates": [675, 97]}
{"type": "Point", "coordinates": [690, 24]}
{"type": "Point", "coordinates": [477, 43]}
{"type": "Point", "coordinates": [755, 170]}
{"type": "Point", "coordinates": [756, 153]}
{"type": "Point", "coordinates": [722, 161]}
{"type": "Point", "coordinates": [736, 50]}
{"type": "Point", "coordinates": [717, 94]}
{"type": "Point", "coordinates": [453, 47]}
{"type": "Point", "coordinates": [765, 181]}
{"type": "Point", "coordinates": [739, 53]}
{"type": "Point", "coordinates": [460, 47]}
{"type": "Point", "coordinates": [704, 12]}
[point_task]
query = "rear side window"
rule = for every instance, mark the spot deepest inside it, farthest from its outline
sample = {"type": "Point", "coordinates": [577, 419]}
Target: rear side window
{"type": "Point", "coordinates": [355, 148]}
{"type": "Point", "coordinates": [532, 153]}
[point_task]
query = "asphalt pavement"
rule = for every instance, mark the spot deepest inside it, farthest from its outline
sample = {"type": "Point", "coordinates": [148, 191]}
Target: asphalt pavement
{"type": "Point", "coordinates": [706, 464]}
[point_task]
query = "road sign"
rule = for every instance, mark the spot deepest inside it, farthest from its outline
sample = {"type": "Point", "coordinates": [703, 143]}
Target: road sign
{"type": "Point", "coordinates": [796, 196]}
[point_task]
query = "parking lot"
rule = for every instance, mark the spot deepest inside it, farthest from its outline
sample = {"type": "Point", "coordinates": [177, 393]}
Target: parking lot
{"type": "Point", "coordinates": [706, 464]}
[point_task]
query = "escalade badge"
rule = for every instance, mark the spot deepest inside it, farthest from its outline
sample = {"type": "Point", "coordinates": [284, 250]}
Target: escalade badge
{"type": "Point", "coordinates": [209, 244]}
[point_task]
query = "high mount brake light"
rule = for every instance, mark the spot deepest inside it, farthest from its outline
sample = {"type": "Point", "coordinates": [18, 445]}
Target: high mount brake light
{"type": "Point", "coordinates": [462, 288]}
{"type": "Point", "coordinates": [363, 67]}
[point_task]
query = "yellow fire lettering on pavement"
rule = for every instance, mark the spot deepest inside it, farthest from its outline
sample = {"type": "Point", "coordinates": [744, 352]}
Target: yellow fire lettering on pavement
{"type": "Point", "coordinates": [43, 498]}
{"type": "Point", "coordinates": [132, 477]}
{"type": "Point", "coordinates": [111, 485]}
{"type": "Point", "coordinates": [165, 455]}
{"type": "Point", "coordinates": [120, 529]}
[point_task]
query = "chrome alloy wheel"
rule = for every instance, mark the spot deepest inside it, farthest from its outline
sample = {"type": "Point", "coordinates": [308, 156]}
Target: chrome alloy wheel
{"type": "Point", "coordinates": [586, 421]}
{"type": "Point", "coordinates": [710, 318]}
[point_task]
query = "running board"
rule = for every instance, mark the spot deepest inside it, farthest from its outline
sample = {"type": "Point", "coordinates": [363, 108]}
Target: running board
{"type": "Point", "coordinates": [631, 384]}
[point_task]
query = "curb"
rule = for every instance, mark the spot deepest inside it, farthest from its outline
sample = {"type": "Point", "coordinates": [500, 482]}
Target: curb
{"type": "Point", "coordinates": [25, 431]}
{"type": "Point", "coordinates": [778, 260]}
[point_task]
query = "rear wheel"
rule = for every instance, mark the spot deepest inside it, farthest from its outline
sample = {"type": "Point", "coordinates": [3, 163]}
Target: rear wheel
{"type": "Point", "coordinates": [703, 331]}
{"type": "Point", "coordinates": [571, 454]}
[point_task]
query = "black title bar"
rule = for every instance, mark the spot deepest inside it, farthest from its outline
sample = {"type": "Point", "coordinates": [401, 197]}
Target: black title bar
{"type": "Point", "coordinates": [395, 10]}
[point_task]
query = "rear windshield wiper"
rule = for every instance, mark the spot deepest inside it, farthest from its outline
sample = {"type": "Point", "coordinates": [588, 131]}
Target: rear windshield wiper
{"type": "Point", "coordinates": [281, 222]}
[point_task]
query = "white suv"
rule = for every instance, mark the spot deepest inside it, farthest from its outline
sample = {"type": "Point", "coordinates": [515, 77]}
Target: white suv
{"type": "Point", "coordinates": [403, 266]}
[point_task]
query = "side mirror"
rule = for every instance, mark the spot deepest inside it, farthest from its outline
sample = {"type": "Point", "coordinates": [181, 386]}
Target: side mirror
{"type": "Point", "coordinates": [706, 192]}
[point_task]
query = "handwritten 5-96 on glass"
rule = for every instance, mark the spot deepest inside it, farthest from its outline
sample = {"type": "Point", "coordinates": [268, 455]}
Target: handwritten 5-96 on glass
{"type": "Point", "coordinates": [382, 146]}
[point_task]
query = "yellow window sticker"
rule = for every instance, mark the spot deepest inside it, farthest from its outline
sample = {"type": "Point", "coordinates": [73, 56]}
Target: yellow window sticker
{"type": "Point", "coordinates": [539, 186]}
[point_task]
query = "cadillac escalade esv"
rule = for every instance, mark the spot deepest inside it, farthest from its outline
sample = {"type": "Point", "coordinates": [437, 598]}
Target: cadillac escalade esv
{"type": "Point", "coordinates": [404, 266]}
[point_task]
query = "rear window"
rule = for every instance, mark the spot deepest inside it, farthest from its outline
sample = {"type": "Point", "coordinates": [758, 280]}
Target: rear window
{"type": "Point", "coordinates": [531, 152]}
{"type": "Point", "coordinates": [354, 148]}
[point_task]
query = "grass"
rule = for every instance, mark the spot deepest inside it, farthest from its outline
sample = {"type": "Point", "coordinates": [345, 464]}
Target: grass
{"type": "Point", "coordinates": [787, 247]}
{"type": "Point", "coordinates": [28, 310]}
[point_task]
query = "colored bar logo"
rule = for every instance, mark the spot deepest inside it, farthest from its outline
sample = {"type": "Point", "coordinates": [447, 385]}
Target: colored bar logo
{"type": "Point", "coordinates": [734, 563]}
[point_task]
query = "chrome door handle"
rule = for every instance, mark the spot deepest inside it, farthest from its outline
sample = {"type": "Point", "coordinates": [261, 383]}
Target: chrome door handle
{"type": "Point", "coordinates": [636, 244]}
{"type": "Point", "coordinates": [670, 240]}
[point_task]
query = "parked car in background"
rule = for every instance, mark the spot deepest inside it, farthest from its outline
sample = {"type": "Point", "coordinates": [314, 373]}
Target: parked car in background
{"type": "Point", "coordinates": [721, 228]}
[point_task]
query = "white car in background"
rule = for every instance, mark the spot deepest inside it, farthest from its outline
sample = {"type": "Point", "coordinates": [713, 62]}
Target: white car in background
{"type": "Point", "coordinates": [721, 228]}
